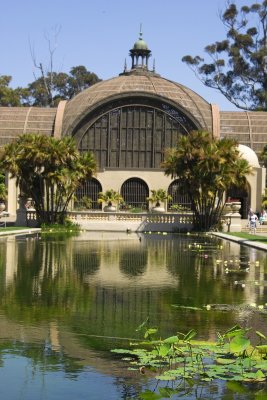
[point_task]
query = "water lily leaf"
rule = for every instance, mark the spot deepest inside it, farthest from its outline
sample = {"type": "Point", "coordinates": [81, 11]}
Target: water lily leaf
{"type": "Point", "coordinates": [261, 365]}
{"type": "Point", "coordinates": [225, 361]}
{"type": "Point", "coordinates": [171, 339]}
{"type": "Point", "coordinates": [149, 332]}
{"type": "Point", "coordinates": [236, 387]}
{"type": "Point", "coordinates": [148, 395]}
{"type": "Point", "coordinates": [235, 330]}
{"type": "Point", "coordinates": [166, 377]}
{"type": "Point", "coordinates": [187, 307]}
{"type": "Point", "coordinates": [122, 351]}
{"type": "Point", "coordinates": [260, 375]}
{"type": "Point", "coordinates": [164, 349]}
{"type": "Point", "coordinates": [239, 344]}
{"type": "Point", "coordinates": [167, 392]}
{"type": "Point", "coordinates": [262, 349]}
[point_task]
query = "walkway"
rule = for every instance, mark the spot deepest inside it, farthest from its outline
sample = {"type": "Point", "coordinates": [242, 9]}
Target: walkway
{"type": "Point", "coordinates": [251, 243]}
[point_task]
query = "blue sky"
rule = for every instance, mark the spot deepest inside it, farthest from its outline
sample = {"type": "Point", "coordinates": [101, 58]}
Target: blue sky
{"type": "Point", "coordinates": [98, 34]}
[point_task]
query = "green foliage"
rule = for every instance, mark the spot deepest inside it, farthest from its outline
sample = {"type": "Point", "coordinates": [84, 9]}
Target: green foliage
{"type": "Point", "coordinates": [9, 97]}
{"type": "Point", "coordinates": [52, 87]}
{"type": "Point", "coordinates": [47, 170]}
{"type": "Point", "coordinates": [238, 64]}
{"type": "Point", "coordinates": [158, 196]}
{"type": "Point", "coordinates": [206, 168]}
{"type": "Point", "coordinates": [85, 203]}
{"type": "Point", "coordinates": [68, 226]}
{"type": "Point", "coordinates": [48, 89]}
{"type": "Point", "coordinates": [3, 189]}
{"type": "Point", "coordinates": [110, 196]}
{"type": "Point", "coordinates": [178, 358]}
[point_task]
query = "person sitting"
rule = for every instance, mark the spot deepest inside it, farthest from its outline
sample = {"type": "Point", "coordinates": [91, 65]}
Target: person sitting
{"type": "Point", "coordinates": [262, 218]}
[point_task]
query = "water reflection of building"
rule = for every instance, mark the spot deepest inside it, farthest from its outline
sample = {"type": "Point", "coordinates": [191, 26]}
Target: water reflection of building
{"type": "Point", "coordinates": [111, 286]}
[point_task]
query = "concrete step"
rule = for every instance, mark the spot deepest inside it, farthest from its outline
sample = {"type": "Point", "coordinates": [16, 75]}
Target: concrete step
{"type": "Point", "coordinates": [259, 229]}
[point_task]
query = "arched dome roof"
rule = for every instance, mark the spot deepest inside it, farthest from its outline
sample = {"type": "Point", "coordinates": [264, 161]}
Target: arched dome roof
{"type": "Point", "coordinates": [140, 44]}
{"type": "Point", "coordinates": [136, 85]}
{"type": "Point", "coordinates": [248, 154]}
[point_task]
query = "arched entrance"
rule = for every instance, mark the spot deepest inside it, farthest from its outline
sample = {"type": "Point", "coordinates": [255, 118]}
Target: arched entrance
{"type": "Point", "coordinates": [86, 195]}
{"type": "Point", "coordinates": [135, 192]}
{"type": "Point", "coordinates": [242, 195]}
{"type": "Point", "coordinates": [180, 200]}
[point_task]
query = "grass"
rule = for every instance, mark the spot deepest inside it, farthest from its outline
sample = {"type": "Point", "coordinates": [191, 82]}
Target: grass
{"type": "Point", "coordinates": [13, 228]}
{"type": "Point", "coordinates": [248, 236]}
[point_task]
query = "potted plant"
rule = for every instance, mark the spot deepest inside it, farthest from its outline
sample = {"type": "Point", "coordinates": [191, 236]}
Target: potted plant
{"type": "Point", "coordinates": [110, 197]}
{"type": "Point", "coordinates": [158, 197]}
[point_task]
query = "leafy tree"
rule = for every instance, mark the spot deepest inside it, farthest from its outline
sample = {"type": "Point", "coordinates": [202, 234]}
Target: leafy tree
{"type": "Point", "coordinates": [238, 63]}
{"type": "Point", "coordinates": [80, 79]}
{"type": "Point", "coordinates": [10, 97]}
{"type": "Point", "coordinates": [47, 170]}
{"type": "Point", "coordinates": [3, 190]}
{"type": "Point", "coordinates": [206, 168]}
{"type": "Point", "coordinates": [52, 87]}
{"type": "Point", "coordinates": [263, 156]}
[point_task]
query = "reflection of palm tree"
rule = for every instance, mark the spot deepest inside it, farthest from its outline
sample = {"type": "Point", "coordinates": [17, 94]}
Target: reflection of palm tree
{"type": "Point", "coordinates": [133, 262]}
{"type": "Point", "coordinates": [46, 285]}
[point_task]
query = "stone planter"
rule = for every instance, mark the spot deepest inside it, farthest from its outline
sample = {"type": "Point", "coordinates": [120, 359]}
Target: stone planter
{"type": "Point", "coordinates": [157, 210]}
{"type": "Point", "coordinates": [235, 206]}
{"type": "Point", "coordinates": [110, 208]}
{"type": "Point", "coordinates": [227, 208]}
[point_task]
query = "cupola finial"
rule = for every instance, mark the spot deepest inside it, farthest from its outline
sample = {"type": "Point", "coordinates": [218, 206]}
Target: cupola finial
{"type": "Point", "coordinates": [140, 33]}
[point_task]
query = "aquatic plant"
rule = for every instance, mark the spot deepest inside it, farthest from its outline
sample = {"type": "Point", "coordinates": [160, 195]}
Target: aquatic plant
{"type": "Point", "coordinates": [181, 359]}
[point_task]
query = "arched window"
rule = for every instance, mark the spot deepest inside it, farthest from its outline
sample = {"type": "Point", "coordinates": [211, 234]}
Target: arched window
{"type": "Point", "coordinates": [86, 195]}
{"type": "Point", "coordinates": [180, 200]}
{"type": "Point", "coordinates": [133, 134]}
{"type": "Point", "coordinates": [135, 192]}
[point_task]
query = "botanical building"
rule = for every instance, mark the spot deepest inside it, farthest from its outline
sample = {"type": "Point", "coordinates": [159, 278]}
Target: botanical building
{"type": "Point", "coordinates": [128, 121]}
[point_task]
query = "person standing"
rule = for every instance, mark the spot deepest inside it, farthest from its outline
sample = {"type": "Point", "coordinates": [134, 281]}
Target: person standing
{"type": "Point", "coordinates": [252, 222]}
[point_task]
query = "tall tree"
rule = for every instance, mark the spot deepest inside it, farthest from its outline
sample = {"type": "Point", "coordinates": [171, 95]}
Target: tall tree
{"type": "Point", "coordinates": [206, 168]}
{"type": "Point", "coordinates": [238, 63]}
{"type": "Point", "coordinates": [47, 170]}
{"type": "Point", "coordinates": [49, 86]}
{"type": "Point", "coordinates": [49, 89]}
{"type": "Point", "coordinates": [11, 97]}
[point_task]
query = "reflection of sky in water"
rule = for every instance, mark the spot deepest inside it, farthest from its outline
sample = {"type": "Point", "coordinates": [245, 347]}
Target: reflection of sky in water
{"type": "Point", "coordinates": [55, 384]}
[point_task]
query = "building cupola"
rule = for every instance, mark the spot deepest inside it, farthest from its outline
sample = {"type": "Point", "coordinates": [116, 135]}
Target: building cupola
{"type": "Point", "coordinates": [140, 53]}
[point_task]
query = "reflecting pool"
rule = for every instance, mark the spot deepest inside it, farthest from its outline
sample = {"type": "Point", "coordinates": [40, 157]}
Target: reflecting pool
{"type": "Point", "coordinates": [66, 301]}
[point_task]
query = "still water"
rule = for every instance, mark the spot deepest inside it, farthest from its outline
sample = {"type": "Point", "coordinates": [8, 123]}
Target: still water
{"type": "Point", "coordinates": [65, 302]}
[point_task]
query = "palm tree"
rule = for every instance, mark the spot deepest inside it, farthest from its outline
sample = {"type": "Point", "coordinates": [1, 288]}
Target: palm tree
{"type": "Point", "coordinates": [109, 197]}
{"type": "Point", "coordinates": [47, 170]}
{"type": "Point", "coordinates": [3, 190]}
{"type": "Point", "coordinates": [159, 196]}
{"type": "Point", "coordinates": [206, 168]}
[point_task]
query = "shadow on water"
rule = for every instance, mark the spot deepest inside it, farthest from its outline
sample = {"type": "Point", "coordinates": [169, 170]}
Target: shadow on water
{"type": "Point", "coordinates": [66, 301]}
